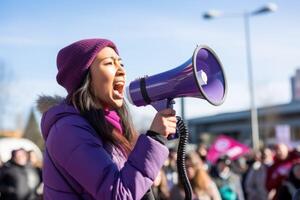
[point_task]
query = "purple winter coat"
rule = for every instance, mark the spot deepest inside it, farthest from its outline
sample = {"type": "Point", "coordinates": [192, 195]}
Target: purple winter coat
{"type": "Point", "coordinates": [95, 170]}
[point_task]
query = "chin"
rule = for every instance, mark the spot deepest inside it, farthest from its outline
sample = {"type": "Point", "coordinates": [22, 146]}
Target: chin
{"type": "Point", "coordinates": [117, 104]}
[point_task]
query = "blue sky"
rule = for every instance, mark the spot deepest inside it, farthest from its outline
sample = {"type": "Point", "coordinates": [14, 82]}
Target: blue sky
{"type": "Point", "coordinates": [152, 36]}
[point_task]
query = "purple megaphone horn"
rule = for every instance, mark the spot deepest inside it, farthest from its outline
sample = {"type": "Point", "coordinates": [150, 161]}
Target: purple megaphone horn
{"type": "Point", "coordinates": [202, 76]}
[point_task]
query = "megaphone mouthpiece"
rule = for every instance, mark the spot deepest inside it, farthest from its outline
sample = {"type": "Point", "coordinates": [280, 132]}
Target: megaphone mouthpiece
{"type": "Point", "coordinates": [203, 77]}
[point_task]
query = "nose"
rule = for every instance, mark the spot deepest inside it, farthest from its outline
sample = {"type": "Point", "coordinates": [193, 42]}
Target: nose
{"type": "Point", "coordinates": [121, 69]}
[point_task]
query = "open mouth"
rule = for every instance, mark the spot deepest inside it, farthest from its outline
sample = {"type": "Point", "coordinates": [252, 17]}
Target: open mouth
{"type": "Point", "coordinates": [118, 89]}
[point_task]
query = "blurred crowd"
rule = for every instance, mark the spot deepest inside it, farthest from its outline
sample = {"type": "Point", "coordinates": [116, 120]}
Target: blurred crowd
{"type": "Point", "coordinates": [21, 176]}
{"type": "Point", "coordinates": [272, 173]}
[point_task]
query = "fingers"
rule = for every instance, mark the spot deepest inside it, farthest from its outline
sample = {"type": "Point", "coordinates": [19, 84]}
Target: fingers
{"type": "Point", "coordinates": [169, 123]}
{"type": "Point", "coordinates": [164, 122]}
{"type": "Point", "coordinates": [172, 119]}
{"type": "Point", "coordinates": [171, 130]}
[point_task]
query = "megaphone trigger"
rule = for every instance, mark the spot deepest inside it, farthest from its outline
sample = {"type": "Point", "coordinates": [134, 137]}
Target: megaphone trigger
{"type": "Point", "coordinates": [163, 104]}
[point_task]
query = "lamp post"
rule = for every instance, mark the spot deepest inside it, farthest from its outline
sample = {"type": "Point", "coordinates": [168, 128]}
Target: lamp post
{"type": "Point", "coordinates": [182, 109]}
{"type": "Point", "coordinates": [271, 7]}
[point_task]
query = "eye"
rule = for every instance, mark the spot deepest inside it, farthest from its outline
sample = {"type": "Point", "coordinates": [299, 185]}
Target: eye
{"type": "Point", "coordinates": [121, 64]}
{"type": "Point", "coordinates": [108, 63]}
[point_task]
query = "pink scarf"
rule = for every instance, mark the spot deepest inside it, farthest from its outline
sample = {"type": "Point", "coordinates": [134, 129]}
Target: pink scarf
{"type": "Point", "coordinates": [113, 118]}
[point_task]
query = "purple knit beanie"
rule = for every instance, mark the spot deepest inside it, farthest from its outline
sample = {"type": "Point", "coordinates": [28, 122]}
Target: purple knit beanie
{"type": "Point", "coordinates": [74, 60]}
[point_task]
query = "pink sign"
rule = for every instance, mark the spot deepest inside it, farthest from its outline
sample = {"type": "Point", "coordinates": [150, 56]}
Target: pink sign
{"type": "Point", "coordinates": [228, 146]}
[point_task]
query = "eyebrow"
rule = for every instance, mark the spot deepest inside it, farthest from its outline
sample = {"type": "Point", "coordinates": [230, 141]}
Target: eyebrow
{"type": "Point", "coordinates": [111, 57]}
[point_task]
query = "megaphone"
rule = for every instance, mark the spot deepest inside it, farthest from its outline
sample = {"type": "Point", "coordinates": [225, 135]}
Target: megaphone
{"type": "Point", "coordinates": [201, 76]}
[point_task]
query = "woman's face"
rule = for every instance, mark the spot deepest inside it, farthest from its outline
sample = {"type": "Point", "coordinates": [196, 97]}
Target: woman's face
{"type": "Point", "coordinates": [108, 78]}
{"type": "Point", "coordinates": [190, 169]}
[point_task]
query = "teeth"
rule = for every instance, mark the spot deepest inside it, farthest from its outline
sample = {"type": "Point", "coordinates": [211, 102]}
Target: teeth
{"type": "Point", "coordinates": [119, 83]}
{"type": "Point", "coordinates": [118, 87]}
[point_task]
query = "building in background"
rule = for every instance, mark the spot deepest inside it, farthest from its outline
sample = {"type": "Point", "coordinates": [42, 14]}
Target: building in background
{"type": "Point", "coordinates": [295, 83]}
{"type": "Point", "coordinates": [11, 133]}
{"type": "Point", "coordinates": [276, 123]}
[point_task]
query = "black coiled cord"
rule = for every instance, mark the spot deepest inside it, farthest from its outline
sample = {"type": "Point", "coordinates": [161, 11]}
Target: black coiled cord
{"type": "Point", "coordinates": [181, 152]}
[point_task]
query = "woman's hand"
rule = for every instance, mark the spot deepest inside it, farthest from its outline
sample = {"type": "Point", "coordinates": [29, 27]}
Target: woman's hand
{"type": "Point", "coordinates": [164, 122]}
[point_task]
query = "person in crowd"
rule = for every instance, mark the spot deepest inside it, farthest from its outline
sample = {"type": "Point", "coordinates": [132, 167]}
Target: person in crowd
{"type": "Point", "coordinates": [290, 186]}
{"type": "Point", "coordinates": [297, 195]}
{"type": "Point", "coordinates": [34, 160]}
{"type": "Point", "coordinates": [1, 162]}
{"type": "Point", "coordinates": [14, 177]}
{"type": "Point", "coordinates": [280, 169]}
{"type": "Point", "coordinates": [170, 168]}
{"type": "Point", "coordinates": [240, 166]}
{"type": "Point", "coordinates": [268, 156]}
{"type": "Point", "coordinates": [228, 183]}
{"type": "Point", "coordinates": [201, 150]}
{"type": "Point", "coordinates": [92, 149]}
{"type": "Point", "coordinates": [202, 185]}
{"type": "Point", "coordinates": [160, 187]}
{"type": "Point", "coordinates": [34, 172]}
{"type": "Point", "coordinates": [255, 188]}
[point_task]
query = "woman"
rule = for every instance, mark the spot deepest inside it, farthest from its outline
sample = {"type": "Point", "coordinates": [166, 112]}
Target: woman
{"type": "Point", "coordinates": [255, 181]}
{"type": "Point", "coordinates": [92, 150]}
{"type": "Point", "coordinates": [160, 186]}
{"type": "Point", "coordinates": [203, 187]}
{"type": "Point", "coordinates": [228, 183]}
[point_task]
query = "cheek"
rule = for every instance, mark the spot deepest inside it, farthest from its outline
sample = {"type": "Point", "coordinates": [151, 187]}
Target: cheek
{"type": "Point", "coordinates": [102, 83]}
{"type": "Point", "coordinates": [98, 86]}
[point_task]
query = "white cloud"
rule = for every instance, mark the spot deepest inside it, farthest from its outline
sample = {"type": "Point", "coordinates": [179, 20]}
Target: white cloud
{"type": "Point", "coordinates": [272, 93]}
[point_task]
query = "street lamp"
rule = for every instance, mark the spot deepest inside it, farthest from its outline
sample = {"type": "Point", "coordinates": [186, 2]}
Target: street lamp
{"type": "Point", "coordinates": [271, 7]}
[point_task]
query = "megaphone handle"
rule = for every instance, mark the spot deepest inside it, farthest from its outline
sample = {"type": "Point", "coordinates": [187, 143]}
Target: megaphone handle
{"type": "Point", "coordinates": [163, 104]}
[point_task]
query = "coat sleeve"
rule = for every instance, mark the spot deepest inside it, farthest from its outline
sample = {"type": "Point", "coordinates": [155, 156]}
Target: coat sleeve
{"type": "Point", "coordinates": [83, 157]}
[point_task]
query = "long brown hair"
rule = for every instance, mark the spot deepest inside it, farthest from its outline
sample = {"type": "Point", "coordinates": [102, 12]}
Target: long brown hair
{"type": "Point", "coordinates": [161, 191]}
{"type": "Point", "coordinates": [84, 100]}
{"type": "Point", "coordinates": [201, 181]}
